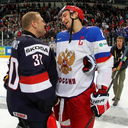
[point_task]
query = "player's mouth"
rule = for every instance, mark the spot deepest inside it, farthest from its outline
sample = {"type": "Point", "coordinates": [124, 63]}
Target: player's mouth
{"type": "Point", "coordinates": [119, 46]}
{"type": "Point", "coordinates": [66, 24]}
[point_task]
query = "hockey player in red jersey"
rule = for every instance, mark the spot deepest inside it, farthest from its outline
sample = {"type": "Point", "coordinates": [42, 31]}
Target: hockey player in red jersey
{"type": "Point", "coordinates": [80, 51]}
{"type": "Point", "coordinates": [32, 75]}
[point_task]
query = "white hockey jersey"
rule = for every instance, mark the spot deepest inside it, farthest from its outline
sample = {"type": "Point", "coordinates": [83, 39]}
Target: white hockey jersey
{"type": "Point", "coordinates": [88, 41]}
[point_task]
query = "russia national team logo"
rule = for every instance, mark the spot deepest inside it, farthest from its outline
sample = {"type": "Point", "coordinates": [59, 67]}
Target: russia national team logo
{"type": "Point", "coordinates": [65, 60]}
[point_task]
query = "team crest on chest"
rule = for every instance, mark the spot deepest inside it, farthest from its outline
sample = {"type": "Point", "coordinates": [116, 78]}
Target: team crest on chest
{"type": "Point", "coordinates": [65, 61]}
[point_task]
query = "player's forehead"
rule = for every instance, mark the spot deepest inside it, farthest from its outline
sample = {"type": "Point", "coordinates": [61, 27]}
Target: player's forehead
{"type": "Point", "coordinates": [119, 40]}
{"type": "Point", "coordinates": [39, 16]}
{"type": "Point", "coordinates": [65, 12]}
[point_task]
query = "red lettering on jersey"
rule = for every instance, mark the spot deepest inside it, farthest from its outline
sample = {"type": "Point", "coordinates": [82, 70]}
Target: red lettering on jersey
{"type": "Point", "coordinates": [73, 81]}
{"type": "Point", "coordinates": [80, 42]}
{"type": "Point", "coordinates": [63, 80]}
{"type": "Point", "coordinates": [20, 115]}
{"type": "Point", "coordinates": [67, 81]}
{"type": "Point", "coordinates": [60, 80]}
{"type": "Point", "coordinates": [70, 81]}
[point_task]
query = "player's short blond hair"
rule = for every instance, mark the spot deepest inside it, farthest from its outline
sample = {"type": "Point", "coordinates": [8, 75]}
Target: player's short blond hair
{"type": "Point", "coordinates": [28, 18]}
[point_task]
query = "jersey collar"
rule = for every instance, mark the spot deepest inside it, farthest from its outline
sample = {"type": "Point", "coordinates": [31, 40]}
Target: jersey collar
{"type": "Point", "coordinates": [28, 33]}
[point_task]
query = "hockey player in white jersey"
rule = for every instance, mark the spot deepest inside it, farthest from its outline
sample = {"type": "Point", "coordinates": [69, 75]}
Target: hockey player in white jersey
{"type": "Point", "coordinates": [80, 51]}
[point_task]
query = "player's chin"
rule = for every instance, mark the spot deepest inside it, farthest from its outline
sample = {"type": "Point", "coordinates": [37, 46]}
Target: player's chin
{"type": "Point", "coordinates": [119, 47]}
{"type": "Point", "coordinates": [68, 26]}
{"type": "Point", "coordinates": [44, 32]}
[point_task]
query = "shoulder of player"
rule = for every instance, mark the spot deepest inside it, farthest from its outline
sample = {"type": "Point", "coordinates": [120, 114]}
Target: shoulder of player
{"type": "Point", "coordinates": [92, 28]}
{"type": "Point", "coordinates": [62, 32]}
{"type": "Point", "coordinates": [24, 41]}
{"type": "Point", "coordinates": [61, 36]}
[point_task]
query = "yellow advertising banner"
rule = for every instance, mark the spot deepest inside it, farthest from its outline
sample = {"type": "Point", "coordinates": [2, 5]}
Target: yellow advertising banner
{"type": "Point", "coordinates": [2, 50]}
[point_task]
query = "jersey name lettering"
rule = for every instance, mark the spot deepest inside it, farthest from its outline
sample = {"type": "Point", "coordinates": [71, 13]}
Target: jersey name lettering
{"type": "Point", "coordinates": [36, 48]}
{"type": "Point", "coordinates": [67, 80]}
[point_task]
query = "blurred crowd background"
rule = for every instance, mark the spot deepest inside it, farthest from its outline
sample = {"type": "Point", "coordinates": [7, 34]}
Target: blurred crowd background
{"type": "Point", "coordinates": [112, 18]}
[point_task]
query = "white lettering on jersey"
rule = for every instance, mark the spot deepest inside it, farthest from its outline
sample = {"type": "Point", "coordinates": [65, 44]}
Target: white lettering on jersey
{"type": "Point", "coordinates": [13, 67]}
{"type": "Point", "coordinates": [38, 59]}
{"type": "Point", "coordinates": [15, 44]}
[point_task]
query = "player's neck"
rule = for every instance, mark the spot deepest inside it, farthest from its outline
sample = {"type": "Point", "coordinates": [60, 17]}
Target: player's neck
{"type": "Point", "coordinates": [76, 28]}
{"type": "Point", "coordinates": [26, 32]}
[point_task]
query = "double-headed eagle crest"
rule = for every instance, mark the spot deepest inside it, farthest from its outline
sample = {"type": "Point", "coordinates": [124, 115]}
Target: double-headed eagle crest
{"type": "Point", "coordinates": [65, 60]}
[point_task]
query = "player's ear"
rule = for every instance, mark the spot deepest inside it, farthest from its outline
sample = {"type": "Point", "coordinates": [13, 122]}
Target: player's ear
{"type": "Point", "coordinates": [76, 13]}
{"type": "Point", "coordinates": [33, 23]}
